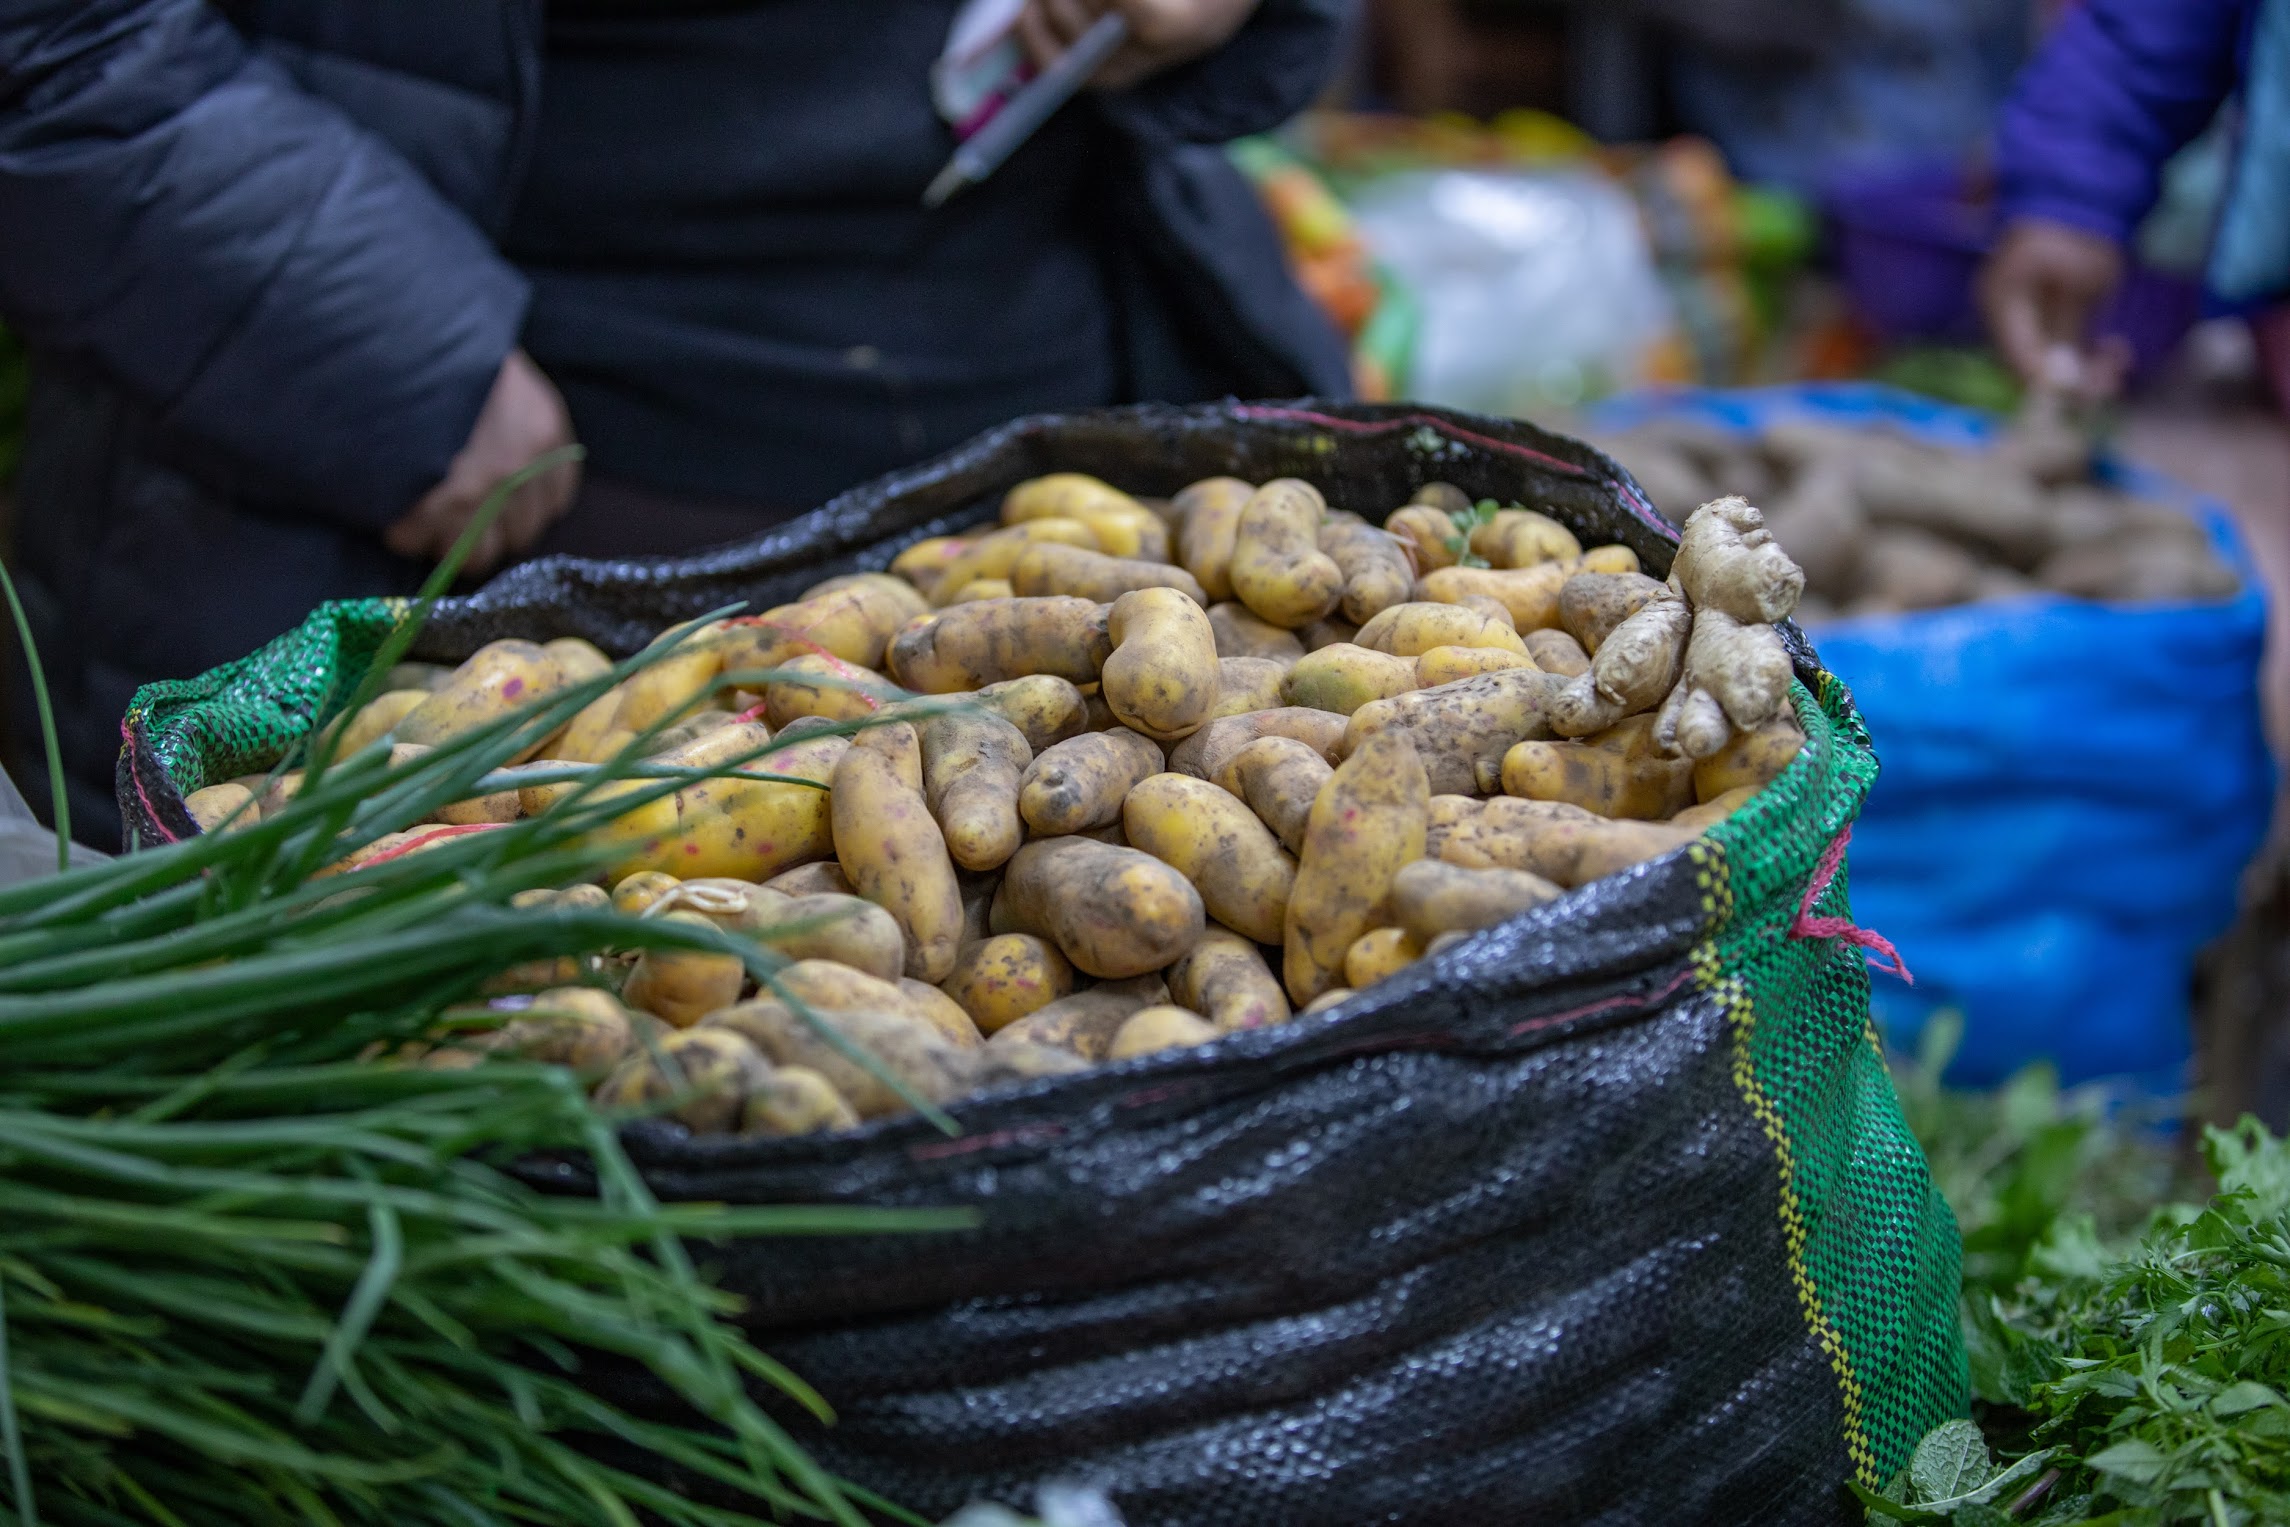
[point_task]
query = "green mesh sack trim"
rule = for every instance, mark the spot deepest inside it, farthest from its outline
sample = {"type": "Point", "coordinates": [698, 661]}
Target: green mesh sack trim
{"type": "Point", "coordinates": [1874, 1250]}
{"type": "Point", "coordinates": [241, 718]}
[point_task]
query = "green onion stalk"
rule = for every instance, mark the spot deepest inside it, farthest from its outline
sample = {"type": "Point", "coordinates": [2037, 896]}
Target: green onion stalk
{"type": "Point", "coordinates": [252, 1271]}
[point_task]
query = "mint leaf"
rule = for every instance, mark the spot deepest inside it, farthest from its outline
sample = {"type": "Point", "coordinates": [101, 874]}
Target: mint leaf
{"type": "Point", "coordinates": [1950, 1463]}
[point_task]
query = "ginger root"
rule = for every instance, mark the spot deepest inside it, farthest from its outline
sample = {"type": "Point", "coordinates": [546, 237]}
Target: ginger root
{"type": "Point", "coordinates": [1727, 560]}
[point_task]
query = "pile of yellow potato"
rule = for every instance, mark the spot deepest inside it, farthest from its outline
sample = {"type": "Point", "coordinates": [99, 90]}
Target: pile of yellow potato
{"type": "Point", "coordinates": [1136, 774]}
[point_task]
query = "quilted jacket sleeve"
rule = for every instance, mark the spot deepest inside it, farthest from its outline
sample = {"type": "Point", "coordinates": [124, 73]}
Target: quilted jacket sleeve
{"type": "Point", "coordinates": [280, 285]}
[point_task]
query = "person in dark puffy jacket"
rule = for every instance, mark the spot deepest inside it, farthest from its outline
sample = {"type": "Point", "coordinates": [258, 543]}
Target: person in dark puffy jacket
{"type": "Point", "coordinates": [2118, 88]}
{"type": "Point", "coordinates": [304, 279]}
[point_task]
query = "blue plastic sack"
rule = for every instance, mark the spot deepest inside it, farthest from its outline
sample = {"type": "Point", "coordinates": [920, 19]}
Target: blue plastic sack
{"type": "Point", "coordinates": [2069, 791]}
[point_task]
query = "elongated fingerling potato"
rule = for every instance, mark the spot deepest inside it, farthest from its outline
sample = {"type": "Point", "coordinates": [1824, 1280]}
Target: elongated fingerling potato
{"type": "Point", "coordinates": [1009, 976]}
{"type": "Point", "coordinates": [1378, 567]}
{"type": "Point", "coordinates": [972, 763]}
{"type": "Point", "coordinates": [1051, 569]}
{"type": "Point", "coordinates": [1080, 784]}
{"type": "Point", "coordinates": [1224, 978]}
{"type": "Point", "coordinates": [1279, 778]}
{"type": "Point", "coordinates": [1210, 522]}
{"type": "Point", "coordinates": [891, 848]}
{"type": "Point", "coordinates": [1204, 753]}
{"type": "Point", "coordinates": [1371, 817]}
{"type": "Point", "coordinates": [1278, 569]}
{"type": "Point", "coordinates": [1046, 708]}
{"type": "Point", "coordinates": [1161, 678]}
{"type": "Point", "coordinates": [1455, 728]}
{"type": "Point", "coordinates": [1113, 912]}
{"type": "Point", "coordinates": [968, 646]}
{"type": "Point", "coordinates": [1429, 898]}
{"type": "Point", "coordinates": [1245, 684]}
{"type": "Point", "coordinates": [1242, 873]}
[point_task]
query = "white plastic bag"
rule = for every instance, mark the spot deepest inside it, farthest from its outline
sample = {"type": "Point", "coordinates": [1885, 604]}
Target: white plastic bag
{"type": "Point", "coordinates": [28, 850]}
{"type": "Point", "coordinates": [1536, 288]}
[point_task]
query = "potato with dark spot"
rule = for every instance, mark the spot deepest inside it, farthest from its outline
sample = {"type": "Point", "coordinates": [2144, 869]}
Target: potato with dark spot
{"type": "Point", "coordinates": [854, 623]}
{"type": "Point", "coordinates": [1214, 840]}
{"type": "Point", "coordinates": [795, 1100]}
{"type": "Point", "coordinates": [1429, 532]}
{"type": "Point", "coordinates": [891, 848]}
{"type": "Point", "coordinates": [684, 985]}
{"type": "Point", "coordinates": [969, 646]}
{"type": "Point", "coordinates": [1247, 684]}
{"type": "Point", "coordinates": [1051, 569]}
{"type": "Point", "coordinates": [1591, 605]}
{"type": "Point", "coordinates": [1279, 778]}
{"type": "Point", "coordinates": [1081, 783]}
{"type": "Point", "coordinates": [577, 1026]}
{"type": "Point", "coordinates": [1455, 727]}
{"type": "Point", "coordinates": [1083, 1024]}
{"type": "Point", "coordinates": [1210, 522]}
{"type": "Point", "coordinates": [1378, 567]}
{"type": "Point", "coordinates": [1224, 978]}
{"type": "Point", "coordinates": [709, 1071]}
{"type": "Point", "coordinates": [1204, 753]}
{"type": "Point", "coordinates": [926, 561]}
{"type": "Point", "coordinates": [1370, 819]}
{"type": "Point", "coordinates": [1343, 677]}
{"type": "Point", "coordinates": [1001, 979]}
{"type": "Point", "coordinates": [1278, 569]}
{"type": "Point", "coordinates": [972, 762]}
{"type": "Point", "coordinates": [499, 677]}
{"type": "Point", "coordinates": [828, 688]}
{"type": "Point", "coordinates": [1113, 912]}
{"type": "Point", "coordinates": [1754, 758]}
{"type": "Point", "coordinates": [942, 1013]}
{"type": "Point", "coordinates": [850, 930]}
{"type": "Point", "coordinates": [1240, 634]}
{"type": "Point", "coordinates": [1448, 813]}
{"type": "Point", "coordinates": [1047, 709]}
{"type": "Point", "coordinates": [1529, 593]}
{"type": "Point", "coordinates": [902, 1048]}
{"type": "Point", "coordinates": [1634, 779]}
{"type": "Point", "coordinates": [1429, 898]}
{"type": "Point", "coordinates": [1560, 842]}
{"type": "Point", "coordinates": [896, 592]}
{"type": "Point", "coordinates": [1161, 676]}
{"type": "Point", "coordinates": [748, 829]}
{"type": "Point", "coordinates": [1378, 953]}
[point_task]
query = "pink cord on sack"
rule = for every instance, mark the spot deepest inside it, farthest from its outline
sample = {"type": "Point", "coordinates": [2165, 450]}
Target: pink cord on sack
{"type": "Point", "coordinates": [1882, 955]}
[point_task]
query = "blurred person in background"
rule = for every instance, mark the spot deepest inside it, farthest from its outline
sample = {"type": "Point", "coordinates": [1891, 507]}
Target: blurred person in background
{"type": "Point", "coordinates": [305, 279]}
{"type": "Point", "coordinates": [2119, 87]}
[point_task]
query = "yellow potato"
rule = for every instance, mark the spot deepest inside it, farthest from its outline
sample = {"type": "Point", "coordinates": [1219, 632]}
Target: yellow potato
{"type": "Point", "coordinates": [823, 925]}
{"type": "Point", "coordinates": [891, 848]}
{"type": "Point", "coordinates": [824, 878]}
{"type": "Point", "coordinates": [1023, 1061]}
{"type": "Point", "coordinates": [668, 688]}
{"type": "Point", "coordinates": [1556, 652]}
{"type": "Point", "coordinates": [1564, 844]}
{"type": "Point", "coordinates": [578, 660]}
{"type": "Point", "coordinates": [1445, 665]}
{"type": "Point", "coordinates": [1081, 783]}
{"type": "Point", "coordinates": [577, 1026]}
{"type": "Point", "coordinates": [1113, 912]}
{"type": "Point", "coordinates": [1279, 778]}
{"type": "Point", "coordinates": [1123, 526]}
{"type": "Point", "coordinates": [942, 1013]}
{"type": "Point", "coordinates": [1278, 569]}
{"type": "Point", "coordinates": [277, 792]}
{"type": "Point", "coordinates": [499, 677]}
{"type": "Point", "coordinates": [223, 808]}
{"type": "Point", "coordinates": [795, 1100]}
{"type": "Point", "coordinates": [1414, 628]}
{"type": "Point", "coordinates": [684, 985]}
{"type": "Point", "coordinates": [584, 738]}
{"type": "Point", "coordinates": [925, 562]}
{"type": "Point", "coordinates": [748, 829]}
{"type": "Point", "coordinates": [1371, 818]}
{"type": "Point", "coordinates": [1378, 567]}
{"type": "Point", "coordinates": [1204, 754]}
{"type": "Point", "coordinates": [1211, 520]}
{"type": "Point", "coordinates": [1154, 1029]}
{"type": "Point", "coordinates": [707, 1072]}
{"type": "Point", "coordinates": [1523, 538]}
{"type": "Point", "coordinates": [1047, 709]}
{"type": "Point", "coordinates": [1529, 593]}
{"type": "Point", "coordinates": [1448, 812]}
{"type": "Point", "coordinates": [1642, 785]}
{"type": "Point", "coordinates": [1377, 953]}
{"type": "Point", "coordinates": [854, 622]}
{"type": "Point", "coordinates": [850, 693]}
{"type": "Point", "coordinates": [1083, 1024]}
{"type": "Point", "coordinates": [1591, 605]}
{"type": "Point", "coordinates": [634, 895]}
{"type": "Point", "coordinates": [1247, 684]}
{"type": "Point", "coordinates": [980, 589]}
{"type": "Point", "coordinates": [1224, 978]}
{"type": "Point", "coordinates": [908, 600]}
{"type": "Point", "coordinates": [1214, 840]}
{"type": "Point", "coordinates": [1716, 809]}
{"type": "Point", "coordinates": [1457, 726]}
{"type": "Point", "coordinates": [1240, 633]}
{"type": "Point", "coordinates": [1334, 996]}
{"type": "Point", "coordinates": [1001, 979]}
{"type": "Point", "coordinates": [1430, 532]}
{"type": "Point", "coordinates": [1052, 569]}
{"type": "Point", "coordinates": [968, 646]}
{"type": "Point", "coordinates": [901, 1049]}
{"type": "Point", "coordinates": [376, 719]}
{"type": "Point", "coordinates": [972, 763]}
{"type": "Point", "coordinates": [1161, 677]}
{"type": "Point", "coordinates": [1610, 559]}
{"type": "Point", "coordinates": [1343, 677]}
{"type": "Point", "coordinates": [1754, 758]}
{"type": "Point", "coordinates": [1429, 898]}
{"type": "Point", "coordinates": [992, 557]}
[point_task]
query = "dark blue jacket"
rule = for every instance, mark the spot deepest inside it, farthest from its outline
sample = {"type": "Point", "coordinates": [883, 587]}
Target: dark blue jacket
{"type": "Point", "coordinates": [254, 254]}
{"type": "Point", "coordinates": [2118, 88]}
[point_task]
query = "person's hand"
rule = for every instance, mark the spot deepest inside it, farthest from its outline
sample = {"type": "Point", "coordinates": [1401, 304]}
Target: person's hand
{"type": "Point", "coordinates": [523, 419]}
{"type": "Point", "coordinates": [2039, 291]}
{"type": "Point", "coordinates": [1161, 32]}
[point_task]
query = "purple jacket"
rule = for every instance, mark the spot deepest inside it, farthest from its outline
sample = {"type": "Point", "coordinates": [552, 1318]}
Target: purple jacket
{"type": "Point", "coordinates": [2120, 87]}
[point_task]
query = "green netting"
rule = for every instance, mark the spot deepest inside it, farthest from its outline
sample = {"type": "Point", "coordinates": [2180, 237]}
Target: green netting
{"type": "Point", "coordinates": [1874, 1249]}
{"type": "Point", "coordinates": [239, 718]}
